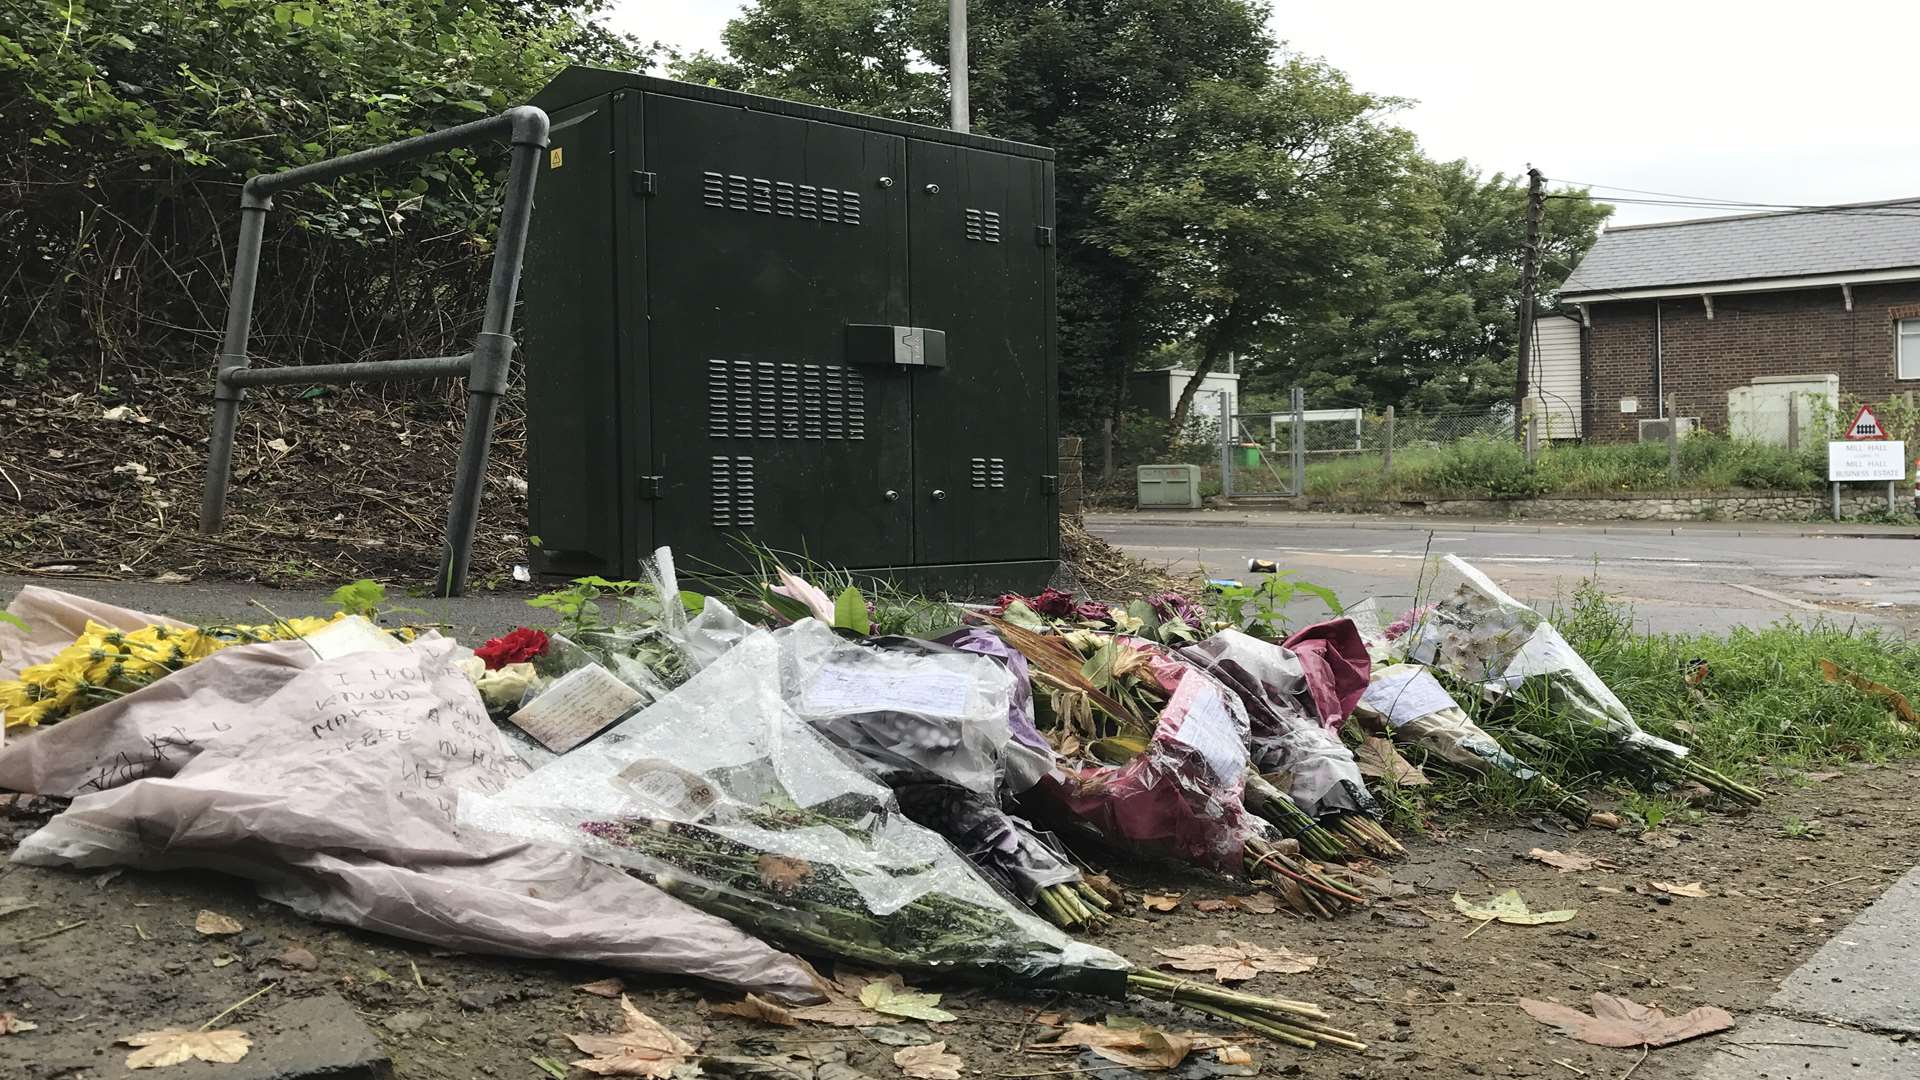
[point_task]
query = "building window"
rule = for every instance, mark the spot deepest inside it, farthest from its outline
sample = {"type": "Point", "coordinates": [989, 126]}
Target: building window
{"type": "Point", "coordinates": [1907, 347]}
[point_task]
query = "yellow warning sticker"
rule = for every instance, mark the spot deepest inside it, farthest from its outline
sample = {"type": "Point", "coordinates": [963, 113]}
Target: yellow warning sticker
{"type": "Point", "coordinates": [555, 158]}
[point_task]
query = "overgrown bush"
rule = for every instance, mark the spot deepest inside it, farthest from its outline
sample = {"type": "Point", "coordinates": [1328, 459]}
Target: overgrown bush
{"type": "Point", "coordinates": [128, 128]}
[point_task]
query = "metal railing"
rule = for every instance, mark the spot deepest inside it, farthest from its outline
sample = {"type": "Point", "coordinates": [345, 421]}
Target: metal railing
{"type": "Point", "coordinates": [485, 366]}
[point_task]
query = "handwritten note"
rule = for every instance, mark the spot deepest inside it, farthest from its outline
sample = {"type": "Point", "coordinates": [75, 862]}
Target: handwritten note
{"type": "Point", "coordinates": [1405, 692]}
{"type": "Point", "coordinates": [1208, 727]}
{"type": "Point", "coordinates": [576, 707]}
{"type": "Point", "coordinates": [844, 689]}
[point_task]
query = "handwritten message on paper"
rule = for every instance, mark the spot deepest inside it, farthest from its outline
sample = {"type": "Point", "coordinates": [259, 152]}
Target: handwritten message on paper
{"type": "Point", "coordinates": [576, 707]}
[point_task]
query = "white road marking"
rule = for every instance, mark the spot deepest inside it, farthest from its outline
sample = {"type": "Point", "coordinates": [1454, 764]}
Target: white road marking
{"type": "Point", "coordinates": [1776, 597]}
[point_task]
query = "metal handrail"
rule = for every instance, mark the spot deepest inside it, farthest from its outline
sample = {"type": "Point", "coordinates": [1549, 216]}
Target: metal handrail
{"type": "Point", "coordinates": [485, 367]}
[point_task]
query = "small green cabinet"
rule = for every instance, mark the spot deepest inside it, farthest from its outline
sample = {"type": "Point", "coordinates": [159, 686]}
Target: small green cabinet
{"type": "Point", "coordinates": [758, 324]}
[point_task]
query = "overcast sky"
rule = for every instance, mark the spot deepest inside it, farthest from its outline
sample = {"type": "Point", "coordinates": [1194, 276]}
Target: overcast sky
{"type": "Point", "coordinates": [1764, 103]}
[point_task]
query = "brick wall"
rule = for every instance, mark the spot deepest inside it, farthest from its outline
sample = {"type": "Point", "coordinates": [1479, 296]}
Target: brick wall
{"type": "Point", "coordinates": [1804, 332]}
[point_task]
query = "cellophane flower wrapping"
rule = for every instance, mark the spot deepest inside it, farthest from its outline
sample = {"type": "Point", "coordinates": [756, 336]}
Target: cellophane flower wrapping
{"type": "Point", "coordinates": [1408, 701]}
{"type": "Point", "coordinates": [1475, 633]}
{"type": "Point", "coordinates": [724, 795]}
{"type": "Point", "coordinates": [1181, 796]}
{"type": "Point", "coordinates": [932, 722]}
{"type": "Point", "coordinates": [1285, 736]}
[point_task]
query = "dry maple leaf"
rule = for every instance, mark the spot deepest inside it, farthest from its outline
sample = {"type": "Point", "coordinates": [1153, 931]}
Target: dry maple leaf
{"type": "Point", "coordinates": [1232, 1055]}
{"type": "Point", "coordinates": [1157, 902]}
{"type": "Point", "coordinates": [1237, 962]}
{"type": "Point", "coordinates": [1692, 888]}
{"type": "Point", "coordinates": [1617, 1021]}
{"type": "Point", "coordinates": [1211, 906]}
{"type": "Point", "coordinates": [643, 1048]}
{"type": "Point", "coordinates": [929, 1062]}
{"type": "Point", "coordinates": [1134, 1045]}
{"type": "Point", "coordinates": [1567, 862]}
{"type": "Point", "coordinates": [1509, 907]}
{"type": "Point", "coordinates": [606, 988]}
{"type": "Point", "coordinates": [843, 1008]}
{"type": "Point", "coordinates": [891, 996]}
{"type": "Point", "coordinates": [214, 924]}
{"type": "Point", "coordinates": [1257, 904]}
{"type": "Point", "coordinates": [755, 1007]}
{"type": "Point", "coordinates": [171, 1046]}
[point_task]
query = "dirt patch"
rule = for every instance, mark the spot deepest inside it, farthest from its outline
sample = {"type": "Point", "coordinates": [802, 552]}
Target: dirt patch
{"type": "Point", "coordinates": [351, 483]}
{"type": "Point", "coordinates": [1430, 1000]}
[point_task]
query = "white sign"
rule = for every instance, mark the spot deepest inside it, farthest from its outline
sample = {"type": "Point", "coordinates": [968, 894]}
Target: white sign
{"type": "Point", "coordinates": [1879, 460]}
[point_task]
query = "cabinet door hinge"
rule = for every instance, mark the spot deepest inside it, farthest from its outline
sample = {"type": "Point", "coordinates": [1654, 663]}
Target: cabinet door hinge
{"type": "Point", "coordinates": [646, 183]}
{"type": "Point", "coordinates": [1050, 484]}
{"type": "Point", "coordinates": [1043, 235]}
{"type": "Point", "coordinates": [650, 486]}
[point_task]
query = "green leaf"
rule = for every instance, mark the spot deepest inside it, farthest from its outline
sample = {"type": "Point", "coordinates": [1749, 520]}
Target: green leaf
{"type": "Point", "coordinates": [1143, 611]}
{"type": "Point", "coordinates": [1325, 594]}
{"type": "Point", "coordinates": [896, 1000]}
{"type": "Point", "coordinates": [850, 611]}
{"type": "Point", "coordinates": [1024, 617]}
{"type": "Point", "coordinates": [13, 620]}
{"type": "Point", "coordinates": [303, 16]}
{"type": "Point", "coordinates": [1098, 668]}
{"type": "Point", "coordinates": [1119, 749]}
{"type": "Point", "coordinates": [784, 606]}
{"type": "Point", "coordinates": [362, 598]}
{"type": "Point", "coordinates": [694, 602]}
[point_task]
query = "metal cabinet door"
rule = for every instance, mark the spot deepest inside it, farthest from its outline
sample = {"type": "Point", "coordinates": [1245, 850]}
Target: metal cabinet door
{"type": "Point", "coordinates": [984, 456]}
{"type": "Point", "coordinates": [766, 235]}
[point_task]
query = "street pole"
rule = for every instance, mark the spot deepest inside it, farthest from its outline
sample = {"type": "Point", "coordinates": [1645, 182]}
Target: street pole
{"type": "Point", "coordinates": [1386, 452]}
{"type": "Point", "coordinates": [1226, 449]}
{"type": "Point", "coordinates": [957, 63]}
{"type": "Point", "coordinates": [1673, 437]}
{"type": "Point", "coordinates": [1529, 285]}
{"type": "Point", "coordinates": [1299, 443]}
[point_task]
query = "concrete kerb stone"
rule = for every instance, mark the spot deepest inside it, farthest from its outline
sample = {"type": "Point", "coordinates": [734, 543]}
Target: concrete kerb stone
{"type": "Point", "coordinates": [1287, 520]}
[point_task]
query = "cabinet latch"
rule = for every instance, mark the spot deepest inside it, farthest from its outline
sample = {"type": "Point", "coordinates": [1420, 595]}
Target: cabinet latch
{"type": "Point", "coordinates": [1050, 484]}
{"type": "Point", "coordinates": [650, 486]}
{"type": "Point", "coordinates": [1043, 235]}
{"type": "Point", "coordinates": [646, 183]}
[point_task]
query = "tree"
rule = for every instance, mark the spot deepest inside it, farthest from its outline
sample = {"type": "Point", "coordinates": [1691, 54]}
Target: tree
{"type": "Point", "coordinates": [1096, 80]}
{"type": "Point", "coordinates": [1263, 205]}
{"type": "Point", "coordinates": [1439, 333]}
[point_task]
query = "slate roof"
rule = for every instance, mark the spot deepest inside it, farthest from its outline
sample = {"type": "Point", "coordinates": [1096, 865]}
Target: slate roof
{"type": "Point", "coordinates": [1794, 243]}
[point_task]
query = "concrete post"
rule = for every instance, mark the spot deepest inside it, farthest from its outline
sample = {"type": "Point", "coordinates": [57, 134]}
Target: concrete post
{"type": "Point", "coordinates": [1299, 443]}
{"type": "Point", "coordinates": [1386, 451]}
{"type": "Point", "coordinates": [1673, 437]}
{"type": "Point", "coordinates": [1793, 422]}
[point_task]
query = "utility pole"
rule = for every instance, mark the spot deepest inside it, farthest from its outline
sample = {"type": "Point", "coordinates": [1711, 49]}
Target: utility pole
{"type": "Point", "coordinates": [1529, 285]}
{"type": "Point", "coordinates": [957, 63]}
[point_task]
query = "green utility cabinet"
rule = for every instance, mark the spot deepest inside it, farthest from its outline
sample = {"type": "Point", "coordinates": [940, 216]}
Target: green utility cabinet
{"type": "Point", "coordinates": [756, 323]}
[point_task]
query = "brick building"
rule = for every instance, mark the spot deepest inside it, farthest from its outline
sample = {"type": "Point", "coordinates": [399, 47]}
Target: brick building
{"type": "Point", "coordinates": [1699, 309]}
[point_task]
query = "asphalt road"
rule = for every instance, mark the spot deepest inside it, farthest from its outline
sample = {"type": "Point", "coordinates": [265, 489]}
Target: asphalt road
{"type": "Point", "coordinates": [1709, 581]}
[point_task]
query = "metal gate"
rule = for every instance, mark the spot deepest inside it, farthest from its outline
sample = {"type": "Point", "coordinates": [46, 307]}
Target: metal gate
{"type": "Point", "coordinates": [1255, 461]}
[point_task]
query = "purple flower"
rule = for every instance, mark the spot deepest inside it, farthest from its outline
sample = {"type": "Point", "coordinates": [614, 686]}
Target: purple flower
{"type": "Point", "coordinates": [1170, 605]}
{"type": "Point", "coordinates": [1404, 623]}
{"type": "Point", "coordinates": [1092, 612]}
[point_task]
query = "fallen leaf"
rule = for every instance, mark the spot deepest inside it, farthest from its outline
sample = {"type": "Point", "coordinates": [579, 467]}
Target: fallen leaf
{"type": "Point", "coordinates": [278, 446]}
{"type": "Point", "coordinates": [606, 988]}
{"type": "Point", "coordinates": [11, 1024]}
{"type": "Point", "coordinates": [1211, 906]}
{"type": "Point", "coordinates": [755, 1007]}
{"type": "Point", "coordinates": [1048, 1019]}
{"type": "Point", "coordinates": [783, 874]}
{"type": "Point", "coordinates": [929, 1062]}
{"type": "Point", "coordinates": [1232, 1055]}
{"type": "Point", "coordinates": [1377, 757]}
{"type": "Point", "coordinates": [1567, 862]}
{"type": "Point", "coordinates": [214, 924]}
{"type": "Point", "coordinates": [838, 1014]}
{"type": "Point", "coordinates": [171, 1046]}
{"type": "Point", "coordinates": [1509, 907]}
{"type": "Point", "coordinates": [224, 959]}
{"type": "Point", "coordinates": [1158, 902]}
{"type": "Point", "coordinates": [1236, 963]}
{"type": "Point", "coordinates": [892, 998]}
{"type": "Point", "coordinates": [1834, 673]}
{"type": "Point", "coordinates": [299, 959]}
{"type": "Point", "coordinates": [1257, 904]}
{"type": "Point", "coordinates": [644, 1047]}
{"type": "Point", "coordinates": [1104, 885]}
{"type": "Point", "coordinates": [1133, 1044]}
{"type": "Point", "coordinates": [10, 905]}
{"type": "Point", "coordinates": [1692, 888]}
{"type": "Point", "coordinates": [1659, 841]}
{"type": "Point", "coordinates": [1616, 1021]}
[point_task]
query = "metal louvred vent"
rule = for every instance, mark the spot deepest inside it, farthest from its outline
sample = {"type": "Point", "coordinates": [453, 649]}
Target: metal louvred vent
{"type": "Point", "coordinates": [983, 225]}
{"type": "Point", "coordinates": [767, 400]}
{"type": "Point", "coordinates": [713, 189]}
{"type": "Point", "coordinates": [736, 192]}
{"type": "Point", "coordinates": [989, 472]}
{"type": "Point", "coordinates": [732, 492]}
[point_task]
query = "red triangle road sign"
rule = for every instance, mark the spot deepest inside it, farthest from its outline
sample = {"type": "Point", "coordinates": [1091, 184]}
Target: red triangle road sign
{"type": "Point", "coordinates": [1865, 425]}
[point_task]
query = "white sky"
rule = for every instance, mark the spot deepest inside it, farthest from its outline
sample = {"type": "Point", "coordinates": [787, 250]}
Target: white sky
{"type": "Point", "coordinates": [1757, 102]}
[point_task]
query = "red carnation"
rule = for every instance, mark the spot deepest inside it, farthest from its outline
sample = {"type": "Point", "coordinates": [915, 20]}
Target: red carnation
{"type": "Point", "coordinates": [518, 647]}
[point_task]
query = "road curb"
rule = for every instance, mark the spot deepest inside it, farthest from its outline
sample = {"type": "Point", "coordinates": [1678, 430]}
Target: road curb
{"type": "Point", "coordinates": [1471, 526]}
